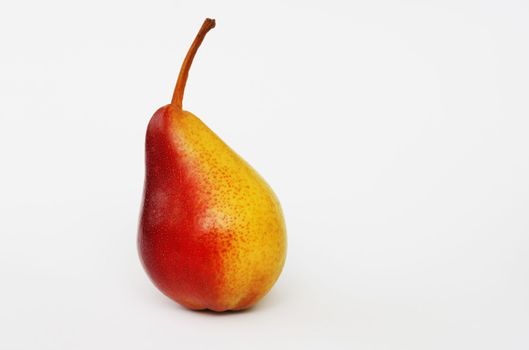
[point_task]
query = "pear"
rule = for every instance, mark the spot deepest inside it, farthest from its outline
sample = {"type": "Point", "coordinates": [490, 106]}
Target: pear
{"type": "Point", "coordinates": [212, 233]}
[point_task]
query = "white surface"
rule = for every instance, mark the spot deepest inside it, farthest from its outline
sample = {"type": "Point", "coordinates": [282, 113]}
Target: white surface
{"type": "Point", "coordinates": [395, 134]}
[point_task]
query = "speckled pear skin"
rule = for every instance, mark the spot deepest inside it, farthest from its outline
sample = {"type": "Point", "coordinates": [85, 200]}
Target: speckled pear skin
{"type": "Point", "coordinates": [212, 233]}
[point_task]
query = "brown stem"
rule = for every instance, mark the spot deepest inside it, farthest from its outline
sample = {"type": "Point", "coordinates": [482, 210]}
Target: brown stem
{"type": "Point", "coordinates": [178, 94]}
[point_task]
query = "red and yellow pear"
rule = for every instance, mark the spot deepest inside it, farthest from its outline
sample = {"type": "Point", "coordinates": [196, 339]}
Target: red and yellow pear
{"type": "Point", "coordinates": [212, 233]}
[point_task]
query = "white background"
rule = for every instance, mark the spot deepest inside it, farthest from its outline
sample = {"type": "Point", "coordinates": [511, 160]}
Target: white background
{"type": "Point", "coordinates": [395, 134]}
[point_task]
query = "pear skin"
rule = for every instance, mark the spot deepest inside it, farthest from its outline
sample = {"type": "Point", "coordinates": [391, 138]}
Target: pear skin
{"type": "Point", "coordinates": [212, 233]}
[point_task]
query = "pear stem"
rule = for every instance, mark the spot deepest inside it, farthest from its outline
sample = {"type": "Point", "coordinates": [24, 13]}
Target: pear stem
{"type": "Point", "coordinates": [178, 94]}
